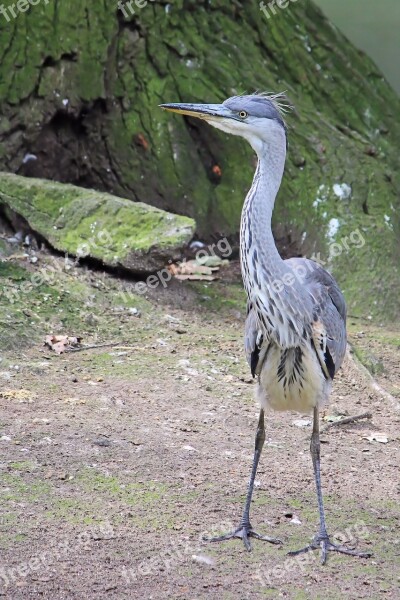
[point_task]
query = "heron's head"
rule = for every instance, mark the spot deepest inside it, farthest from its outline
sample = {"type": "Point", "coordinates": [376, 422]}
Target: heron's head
{"type": "Point", "coordinates": [256, 117]}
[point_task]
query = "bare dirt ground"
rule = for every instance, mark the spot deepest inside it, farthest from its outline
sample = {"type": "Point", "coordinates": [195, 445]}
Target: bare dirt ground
{"type": "Point", "coordinates": [116, 460]}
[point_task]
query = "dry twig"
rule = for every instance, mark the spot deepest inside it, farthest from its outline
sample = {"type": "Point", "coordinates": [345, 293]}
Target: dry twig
{"type": "Point", "coordinates": [347, 420]}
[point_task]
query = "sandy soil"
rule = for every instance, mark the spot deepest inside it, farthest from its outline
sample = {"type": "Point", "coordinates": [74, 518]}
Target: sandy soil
{"type": "Point", "coordinates": [116, 460]}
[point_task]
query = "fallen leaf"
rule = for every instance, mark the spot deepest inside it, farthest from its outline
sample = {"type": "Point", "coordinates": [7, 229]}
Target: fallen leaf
{"type": "Point", "coordinates": [203, 558]}
{"type": "Point", "coordinates": [61, 343]}
{"type": "Point", "coordinates": [15, 257]}
{"type": "Point", "coordinates": [74, 401]}
{"type": "Point", "coordinates": [193, 267]}
{"type": "Point", "coordinates": [212, 261]}
{"type": "Point", "coordinates": [333, 418]}
{"type": "Point", "coordinates": [141, 141]}
{"type": "Point", "coordinates": [217, 170]}
{"type": "Point", "coordinates": [376, 437]}
{"type": "Point", "coordinates": [196, 277]}
{"type": "Point", "coordinates": [23, 396]}
{"type": "Point", "coordinates": [199, 269]}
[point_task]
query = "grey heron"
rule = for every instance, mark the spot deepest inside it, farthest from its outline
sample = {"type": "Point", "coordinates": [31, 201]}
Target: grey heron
{"type": "Point", "coordinates": [295, 331]}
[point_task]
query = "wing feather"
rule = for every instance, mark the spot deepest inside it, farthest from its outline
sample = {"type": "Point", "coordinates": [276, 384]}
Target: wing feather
{"type": "Point", "coordinates": [329, 314]}
{"type": "Point", "coordinates": [328, 326]}
{"type": "Point", "coordinates": [255, 348]}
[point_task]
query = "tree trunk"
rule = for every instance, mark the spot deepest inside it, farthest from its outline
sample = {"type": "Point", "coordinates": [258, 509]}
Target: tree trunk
{"type": "Point", "coordinates": [80, 84]}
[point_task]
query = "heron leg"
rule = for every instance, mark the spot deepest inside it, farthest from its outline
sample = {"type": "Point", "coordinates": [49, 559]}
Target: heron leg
{"type": "Point", "coordinates": [321, 540]}
{"type": "Point", "coordinates": [245, 530]}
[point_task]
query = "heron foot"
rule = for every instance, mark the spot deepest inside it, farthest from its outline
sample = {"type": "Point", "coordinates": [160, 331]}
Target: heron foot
{"type": "Point", "coordinates": [244, 532]}
{"type": "Point", "coordinates": [322, 541]}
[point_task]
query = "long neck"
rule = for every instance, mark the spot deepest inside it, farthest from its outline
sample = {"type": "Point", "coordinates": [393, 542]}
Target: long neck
{"type": "Point", "coordinates": [256, 231]}
{"type": "Point", "coordinates": [275, 299]}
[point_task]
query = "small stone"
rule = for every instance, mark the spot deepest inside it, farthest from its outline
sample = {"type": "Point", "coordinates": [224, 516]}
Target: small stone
{"type": "Point", "coordinates": [295, 520]}
{"type": "Point", "coordinates": [302, 422]}
{"type": "Point", "coordinates": [102, 442]}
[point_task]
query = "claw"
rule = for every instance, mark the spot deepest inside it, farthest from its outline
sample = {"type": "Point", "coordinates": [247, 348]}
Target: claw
{"type": "Point", "coordinates": [323, 542]}
{"type": "Point", "coordinates": [244, 532]}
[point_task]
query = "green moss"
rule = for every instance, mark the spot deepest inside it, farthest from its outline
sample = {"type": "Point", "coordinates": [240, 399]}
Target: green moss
{"type": "Point", "coordinates": [220, 297]}
{"type": "Point", "coordinates": [13, 272]}
{"type": "Point", "coordinates": [75, 510]}
{"type": "Point", "coordinates": [301, 595]}
{"type": "Point", "coordinates": [146, 497]}
{"type": "Point", "coordinates": [9, 520]}
{"type": "Point", "coordinates": [268, 592]}
{"type": "Point", "coordinates": [131, 368]}
{"type": "Point", "coordinates": [19, 491]}
{"type": "Point", "coordinates": [130, 493]}
{"type": "Point", "coordinates": [48, 298]}
{"type": "Point", "coordinates": [26, 465]}
{"type": "Point", "coordinates": [117, 70]}
{"type": "Point", "coordinates": [87, 223]}
{"type": "Point", "coordinates": [369, 360]}
{"type": "Point", "coordinates": [29, 308]}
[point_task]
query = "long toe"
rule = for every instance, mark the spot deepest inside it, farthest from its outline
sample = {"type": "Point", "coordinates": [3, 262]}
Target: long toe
{"type": "Point", "coordinates": [349, 551]}
{"type": "Point", "coordinates": [324, 543]}
{"type": "Point", "coordinates": [265, 538]}
{"type": "Point", "coordinates": [244, 532]}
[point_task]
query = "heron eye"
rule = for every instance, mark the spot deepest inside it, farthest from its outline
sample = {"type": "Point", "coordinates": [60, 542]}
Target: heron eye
{"type": "Point", "coordinates": [243, 114]}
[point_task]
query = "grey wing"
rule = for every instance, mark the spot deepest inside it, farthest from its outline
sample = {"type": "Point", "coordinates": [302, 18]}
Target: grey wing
{"type": "Point", "coordinates": [250, 339]}
{"type": "Point", "coordinates": [329, 313]}
{"type": "Point", "coordinates": [256, 347]}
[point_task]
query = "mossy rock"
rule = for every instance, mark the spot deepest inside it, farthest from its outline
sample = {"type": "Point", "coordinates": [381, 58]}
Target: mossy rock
{"type": "Point", "coordinates": [86, 223]}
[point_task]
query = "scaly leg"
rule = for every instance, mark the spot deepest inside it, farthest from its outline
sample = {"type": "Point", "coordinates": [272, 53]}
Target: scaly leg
{"type": "Point", "coordinates": [245, 530]}
{"type": "Point", "coordinates": [321, 540]}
